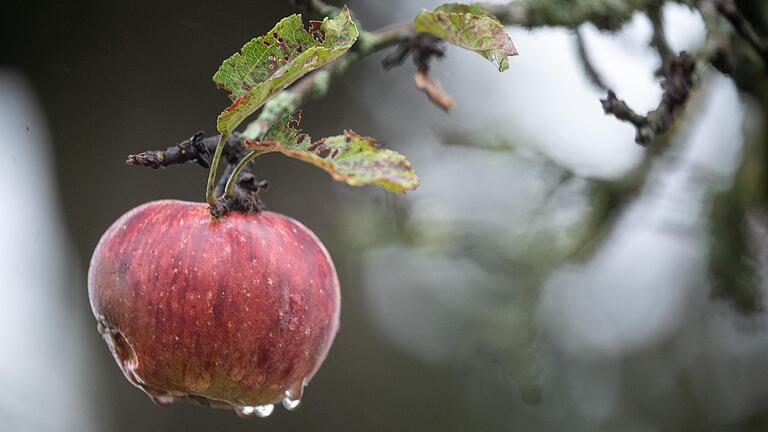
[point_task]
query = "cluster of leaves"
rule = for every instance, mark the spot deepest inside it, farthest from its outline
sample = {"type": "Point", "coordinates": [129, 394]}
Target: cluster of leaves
{"type": "Point", "coordinates": [270, 63]}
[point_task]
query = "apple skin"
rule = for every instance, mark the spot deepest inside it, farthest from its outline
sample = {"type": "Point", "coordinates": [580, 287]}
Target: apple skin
{"type": "Point", "coordinates": [233, 312]}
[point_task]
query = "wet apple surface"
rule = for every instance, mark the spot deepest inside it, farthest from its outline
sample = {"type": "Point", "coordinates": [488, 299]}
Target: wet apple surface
{"type": "Point", "coordinates": [235, 312]}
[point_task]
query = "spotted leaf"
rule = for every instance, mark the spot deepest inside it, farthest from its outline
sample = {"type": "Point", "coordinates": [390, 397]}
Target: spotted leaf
{"type": "Point", "coordinates": [270, 63]}
{"type": "Point", "coordinates": [470, 27]}
{"type": "Point", "coordinates": [351, 158]}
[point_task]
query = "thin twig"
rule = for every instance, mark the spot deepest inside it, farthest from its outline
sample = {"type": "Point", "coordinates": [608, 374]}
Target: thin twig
{"type": "Point", "coordinates": [222, 183]}
{"type": "Point", "coordinates": [197, 149]}
{"type": "Point", "coordinates": [586, 63]}
{"type": "Point", "coordinates": [659, 37]}
{"type": "Point", "coordinates": [732, 13]}
{"type": "Point", "coordinates": [608, 15]}
{"type": "Point", "coordinates": [677, 87]}
{"type": "Point", "coordinates": [613, 105]}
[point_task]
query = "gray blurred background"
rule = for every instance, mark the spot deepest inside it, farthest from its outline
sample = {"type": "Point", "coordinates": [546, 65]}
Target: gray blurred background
{"type": "Point", "coordinates": [500, 296]}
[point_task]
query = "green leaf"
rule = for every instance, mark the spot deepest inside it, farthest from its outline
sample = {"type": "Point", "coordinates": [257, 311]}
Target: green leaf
{"type": "Point", "coordinates": [351, 158]}
{"type": "Point", "coordinates": [470, 27]}
{"type": "Point", "coordinates": [270, 63]}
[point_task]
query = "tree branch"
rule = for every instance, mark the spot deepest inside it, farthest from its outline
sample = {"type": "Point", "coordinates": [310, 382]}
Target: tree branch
{"type": "Point", "coordinates": [604, 14]}
{"type": "Point", "coordinates": [682, 74]}
{"type": "Point", "coordinates": [612, 15]}
{"type": "Point", "coordinates": [659, 37]}
{"type": "Point", "coordinates": [677, 87]}
{"type": "Point", "coordinates": [193, 149]}
{"type": "Point", "coordinates": [592, 73]}
{"type": "Point", "coordinates": [732, 13]}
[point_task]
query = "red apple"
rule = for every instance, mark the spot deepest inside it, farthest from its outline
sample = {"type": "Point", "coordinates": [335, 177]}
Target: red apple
{"type": "Point", "coordinates": [235, 312]}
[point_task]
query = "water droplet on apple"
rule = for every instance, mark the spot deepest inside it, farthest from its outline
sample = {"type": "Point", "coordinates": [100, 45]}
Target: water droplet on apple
{"type": "Point", "coordinates": [293, 323]}
{"type": "Point", "coordinates": [291, 404]}
{"type": "Point", "coordinates": [263, 410]}
{"type": "Point", "coordinates": [162, 399]}
{"type": "Point", "coordinates": [292, 398]}
{"type": "Point", "coordinates": [259, 411]}
{"type": "Point", "coordinates": [244, 411]}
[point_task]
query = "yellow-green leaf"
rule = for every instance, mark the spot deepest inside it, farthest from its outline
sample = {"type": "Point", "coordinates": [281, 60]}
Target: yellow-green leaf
{"type": "Point", "coordinates": [470, 27]}
{"type": "Point", "coordinates": [270, 63]}
{"type": "Point", "coordinates": [351, 158]}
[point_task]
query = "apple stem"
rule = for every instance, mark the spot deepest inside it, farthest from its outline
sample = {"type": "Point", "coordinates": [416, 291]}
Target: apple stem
{"type": "Point", "coordinates": [210, 194]}
{"type": "Point", "coordinates": [283, 103]}
{"type": "Point", "coordinates": [232, 180]}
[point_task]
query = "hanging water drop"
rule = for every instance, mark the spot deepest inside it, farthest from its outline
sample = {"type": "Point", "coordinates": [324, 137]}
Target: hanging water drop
{"type": "Point", "coordinates": [263, 410]}
{"type": "Point", "coordinates": [259, 411]}
{"type": "Point", "coordinates": [292, 398]}
{"type": "Point", "coordinates": [290, 404]}
{"type": "Point", "coordinates": [162, 399]}
{"type": "Point", "coordinates": [246, 411]}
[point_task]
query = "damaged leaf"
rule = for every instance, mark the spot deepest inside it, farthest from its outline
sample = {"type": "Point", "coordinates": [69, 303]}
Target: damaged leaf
{"type": "Point", "coordinates": [270, 63]}
{"type": "Point", "coordinates": [351, 158]}
{"type": "Point", "coordinates": [470, 27]}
